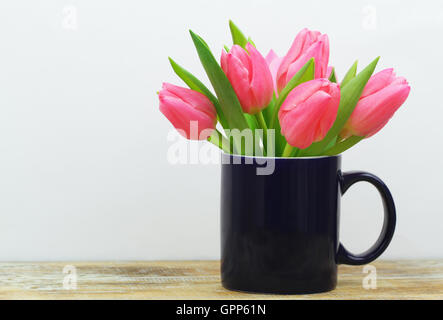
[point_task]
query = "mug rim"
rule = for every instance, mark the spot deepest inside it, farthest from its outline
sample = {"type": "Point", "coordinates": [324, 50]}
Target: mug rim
{"type": "Point", "coordinates": [278, 158]}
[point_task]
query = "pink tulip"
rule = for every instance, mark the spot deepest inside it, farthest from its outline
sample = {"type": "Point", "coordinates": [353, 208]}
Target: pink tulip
{"type": "Point", "coordinates": [273, 62]}
{"type": "Point", "coordinates": [307, 44]}
{"type": "Point", "coordinates": [383, 95]}
{"type": "Point", "coordinates": [250, 77]}
{"type": "Point", "coordinates": [184, 106]}
{"type": "Point", "coordinates": [308, 112]}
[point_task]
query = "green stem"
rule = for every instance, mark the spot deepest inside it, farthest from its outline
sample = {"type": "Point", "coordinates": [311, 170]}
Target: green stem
{"type": "Point", "coordinates": [343, 145]}
{"type": "Point", "coordinates": [262, 123]}
{"type": "Point", "coordinates": [220, 141]}
{"type": "Point", "coordinates": [288, 151]}
{"type": "Point", "coordinates": [297, 153]}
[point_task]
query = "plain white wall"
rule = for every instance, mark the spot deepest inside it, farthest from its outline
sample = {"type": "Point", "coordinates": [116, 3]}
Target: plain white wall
{"type": "Point", "coordinates": [83, 170]}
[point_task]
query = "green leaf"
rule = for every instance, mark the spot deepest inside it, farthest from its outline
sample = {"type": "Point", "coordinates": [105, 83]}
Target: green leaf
{"type": "Point", "coordinates": [252, 123]}
{"type": "Point", "coordinates": [350, 74]}
{"type": "Point", "coordinates": [332, 143]}
{"type": "Point", "coordinates": [343, 145]}
{"type": "Point", "coordinates": [237, 36]}
{"type": "Point", "coordinates": [349, 96]}
{"type": "Point", "coordinates": [195, 84]}
{"type": "Point", "coordinates": [219, 140]}
{"type": "Point", "coordinates": [227, 98]}
{"type": "Point", "coordinates": [332, 77]}
{"type": "Point", "coordinates": [269, 110]}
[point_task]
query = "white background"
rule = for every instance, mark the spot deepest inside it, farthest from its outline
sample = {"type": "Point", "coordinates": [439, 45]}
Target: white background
{"type": "Point", "coordinates": [83, 169]}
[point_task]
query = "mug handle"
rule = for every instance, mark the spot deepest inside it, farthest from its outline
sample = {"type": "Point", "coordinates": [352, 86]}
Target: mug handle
{"type": "Point", "coordinates": [347, 179]}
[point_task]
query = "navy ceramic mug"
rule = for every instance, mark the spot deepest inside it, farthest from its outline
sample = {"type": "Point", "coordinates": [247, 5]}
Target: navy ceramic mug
{"type": "Point", "coordinates": [280, 231]}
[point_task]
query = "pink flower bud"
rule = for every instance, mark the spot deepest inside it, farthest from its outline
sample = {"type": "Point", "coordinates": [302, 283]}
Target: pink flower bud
{"type": "Point", "coordinates": [273, 62]}
{"type": "Point", "coordinates": [308, 112]}
{"type": "Point", "coordinates": [307, 44]}
{"type": "Point", "coordinates": [250, 77]}
{"type": "Point", "coordinates": [189, 111]}
{"type": "Point", "coordinates": [383, 95]}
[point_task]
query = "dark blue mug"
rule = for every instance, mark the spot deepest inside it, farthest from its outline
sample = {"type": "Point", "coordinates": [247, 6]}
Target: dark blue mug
{"type": "Point", "coordinates": [280, 230]}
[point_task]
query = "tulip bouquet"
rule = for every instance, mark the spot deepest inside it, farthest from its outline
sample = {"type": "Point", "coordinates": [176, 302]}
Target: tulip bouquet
{"type": "Point", "coordinates": [291, 106]}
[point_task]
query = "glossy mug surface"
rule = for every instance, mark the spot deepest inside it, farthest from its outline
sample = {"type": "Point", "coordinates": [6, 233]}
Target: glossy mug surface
{"type": "Point", "coordinates": [280, 231]}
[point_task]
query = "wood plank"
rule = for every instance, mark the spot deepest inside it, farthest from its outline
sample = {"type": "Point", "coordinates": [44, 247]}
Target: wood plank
{"type": "Point", "coordinates": [201, 280]}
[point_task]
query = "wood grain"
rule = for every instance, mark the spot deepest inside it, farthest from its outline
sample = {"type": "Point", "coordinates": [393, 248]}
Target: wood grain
{"type": "Point", "coordinates": [201, 280]}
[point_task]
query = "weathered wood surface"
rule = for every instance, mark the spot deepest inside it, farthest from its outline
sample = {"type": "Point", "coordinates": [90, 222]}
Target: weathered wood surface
{"type": "Point", "coordinates": [201, 280]}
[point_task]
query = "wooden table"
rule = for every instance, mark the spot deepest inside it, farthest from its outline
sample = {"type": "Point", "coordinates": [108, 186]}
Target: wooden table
{"type": "Point", "coordinates": [201, 280]}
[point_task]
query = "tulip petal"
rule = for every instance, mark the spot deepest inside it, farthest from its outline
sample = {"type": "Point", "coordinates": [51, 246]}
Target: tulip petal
{"type": "Point", "coordinates": [300, 93]}
{"type": "Point", "coordinates": [197, 85]}
{"type": "Point", "coordinates": [274, 62]}
{"type": "Point", "coordinates": [301, 126]}
{"type": "Point", "coordinates": [243, 56]}
{"type": "Point", "coordinates": [296, 66]}
{"type": "Point", "coordinates": [373, 112]}
{"type": "Point", "coordinates": [180, 114]}
{"type": "Point", "coordinates": [378, 81]}
{"type": "Point", "coordinates": [224, 62]}
{"type": "Point", "coordinates": [305, 74]}
{"type": "Point", "coordinates": [250, 77]}
{"type": "Point", "coordinates": [261, 82]}
{"type": "Point", "coordinates": [193, 98]}
{"type": "Point", "coordinates": [304, 40]}
{"type": "Point", "coordinates": [318, 52]}
{"type": "Point", "coordinates": [331, 110]}
{"type": "Point", "coordinates": [271, 56]}
{"type": "Point", "coordinates": [323, 58]}
{"type": "Point", "coordinates": [239, 78]}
